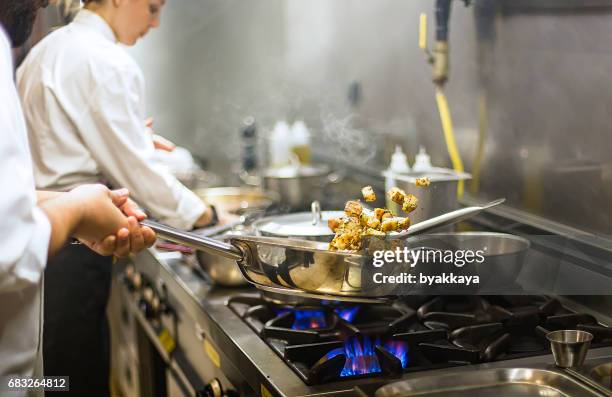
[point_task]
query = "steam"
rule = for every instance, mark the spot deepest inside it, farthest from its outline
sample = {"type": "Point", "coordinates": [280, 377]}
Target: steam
{"type": "Point", "coordinates": [350, 143]}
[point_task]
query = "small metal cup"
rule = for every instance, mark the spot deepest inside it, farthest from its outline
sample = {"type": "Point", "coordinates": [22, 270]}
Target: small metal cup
{"type": "Point", "coordinates": [569, 347]}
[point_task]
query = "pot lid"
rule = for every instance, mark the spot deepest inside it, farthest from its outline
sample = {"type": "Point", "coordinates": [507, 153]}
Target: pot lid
{"type": "Point", "coordinates": [297, 225]}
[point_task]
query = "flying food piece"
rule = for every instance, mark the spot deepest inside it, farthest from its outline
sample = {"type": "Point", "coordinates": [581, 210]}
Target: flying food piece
{"type": "Point", "coordinates": [379, 212]}
{"type": "Point", "coordinates": [397, 195]}
{"type": "Point", "coordinates": [353, 208]}
{"type": "Point", "coordinates": [410, 203]}
{"type": "Point", "coordinates": [403, 224]}
{"type": "Point", "coordinates": [368, 194]}
{"type": "Point", "coordinates": [422, 182]}
{"type": "Point", "coordinates": [356, 223]}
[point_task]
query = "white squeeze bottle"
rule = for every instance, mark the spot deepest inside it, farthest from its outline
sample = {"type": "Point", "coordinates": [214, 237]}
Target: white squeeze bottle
{"type": "Point", "coordinates": [398, 165]}
{"type": "Point", "coordinates": [280, 145]}
{"type": "Point", "coordinates": [422, 161]}
{"type": "Point", "coordinates": [301, 141]}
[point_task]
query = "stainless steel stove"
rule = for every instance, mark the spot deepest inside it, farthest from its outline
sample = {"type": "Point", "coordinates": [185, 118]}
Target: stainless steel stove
{"type": "Point", "coordinates": [211, 341]}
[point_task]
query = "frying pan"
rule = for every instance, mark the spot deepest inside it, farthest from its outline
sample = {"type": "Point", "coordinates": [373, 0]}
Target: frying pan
{"type": "Point", "coordinates": [307, 268]}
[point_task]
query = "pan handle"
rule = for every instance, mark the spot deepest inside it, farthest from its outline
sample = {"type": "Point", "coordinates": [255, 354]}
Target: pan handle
{"type": "Point", "coordinates": [195, 241]}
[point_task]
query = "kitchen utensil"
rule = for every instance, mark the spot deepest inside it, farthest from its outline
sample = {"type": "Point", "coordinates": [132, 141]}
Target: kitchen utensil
{"type": "Point", "coordinates": [224, 271]}
{"type": "Point", "coordinates": [296, 266]}
{"type": "Point", "coordinates": [238, 200]}
{"type": "Point", "coordinates": [221, 270]}
{"type": "Point", "coordinates": [569, 347]}
{"type": "Point", "coordinates": [439, 221]}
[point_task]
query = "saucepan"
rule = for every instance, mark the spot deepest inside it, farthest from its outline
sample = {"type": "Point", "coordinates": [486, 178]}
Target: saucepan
{"type": "Point", "coordinates": [302, 267]}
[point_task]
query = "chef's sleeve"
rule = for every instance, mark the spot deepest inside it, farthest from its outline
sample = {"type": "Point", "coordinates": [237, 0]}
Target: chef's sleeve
{"type": "Point", "coordinates": [25, 230]}
{"type": "Point", "coordinates": [112, 127]}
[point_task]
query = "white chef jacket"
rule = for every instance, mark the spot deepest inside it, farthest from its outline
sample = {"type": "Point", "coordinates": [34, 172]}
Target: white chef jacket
{"type": "Point", "coordinates": [24, 234]}
{"type": "Point", "coordinates": [83, 97]}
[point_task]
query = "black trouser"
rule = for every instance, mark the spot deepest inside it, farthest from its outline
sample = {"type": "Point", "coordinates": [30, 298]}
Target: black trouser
{"type": "Point", "coordinates": [75, 330]}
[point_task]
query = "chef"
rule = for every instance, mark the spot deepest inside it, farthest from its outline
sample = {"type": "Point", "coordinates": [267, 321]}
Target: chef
{"type": "Point", "coordinates": [34, 225]}
{"type": "Point", "coordinates": [83, 98]}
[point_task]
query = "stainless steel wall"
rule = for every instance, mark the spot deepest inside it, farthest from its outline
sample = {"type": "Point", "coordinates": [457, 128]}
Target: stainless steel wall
{"type": "Point", "coordinates": [543, 73]}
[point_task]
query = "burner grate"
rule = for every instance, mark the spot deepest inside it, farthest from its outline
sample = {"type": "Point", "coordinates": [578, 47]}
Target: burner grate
{"type": "Point", "coordinates": [327, 343]}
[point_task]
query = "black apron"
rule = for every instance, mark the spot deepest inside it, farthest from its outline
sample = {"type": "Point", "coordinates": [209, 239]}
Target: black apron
{"type": "Point", "coordinates": [76, 341]}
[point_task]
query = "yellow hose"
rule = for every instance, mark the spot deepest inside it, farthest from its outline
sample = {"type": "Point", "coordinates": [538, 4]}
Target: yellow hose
{"type": "Point", "coordinates": [449, 136]}
{"type": "Point", "coordinates": [483, 128]}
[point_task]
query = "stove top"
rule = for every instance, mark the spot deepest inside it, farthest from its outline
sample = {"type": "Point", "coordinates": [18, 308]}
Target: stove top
{"type": "Point", "coordinates": [330, 342]}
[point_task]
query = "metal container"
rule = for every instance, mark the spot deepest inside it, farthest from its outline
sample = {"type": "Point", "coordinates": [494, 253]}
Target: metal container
{"type": "Point", "coordinates": [569, 347]}
{"type": "Point", "coordinates": [297, 187]}
{"type": "Point", "coordinates": [504, 254]}
{"type": "Point", "coordinates": [438, 198]}
{"type": "Point", "coordinates": [238, 200]}
{"type": "Point", "coordinates": [222, 271]}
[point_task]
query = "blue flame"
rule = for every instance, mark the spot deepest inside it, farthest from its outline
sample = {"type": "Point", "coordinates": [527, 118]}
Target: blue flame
{"type": "Point", "coordinates": [399, 350]}
{"type": "Point", "coordinates": [360, 359]}
{"type": "Point", "coordinates": [361, 356]}
{"type": "Point", "coordinates": [309, 319]}
{"type": "Point", "coordinates": [347, 313]}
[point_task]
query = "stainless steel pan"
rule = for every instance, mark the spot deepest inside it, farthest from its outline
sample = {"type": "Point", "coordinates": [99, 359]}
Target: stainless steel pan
{"type": "Point", "coordinates": [301, 267]}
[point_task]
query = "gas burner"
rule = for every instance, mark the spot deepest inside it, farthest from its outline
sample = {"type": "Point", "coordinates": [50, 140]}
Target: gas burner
{"type": "Point", "coordinates": [327, 341]}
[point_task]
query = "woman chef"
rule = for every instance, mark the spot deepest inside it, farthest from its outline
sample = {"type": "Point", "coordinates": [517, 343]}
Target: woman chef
{"type": "Point", "coordinates": [83, 98]}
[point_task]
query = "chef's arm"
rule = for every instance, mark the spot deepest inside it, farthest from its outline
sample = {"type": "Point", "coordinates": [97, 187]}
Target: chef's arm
{"type": "Point", "coordinates": [111, 126]}
{"type": "Point", "coordinates": [44, 195]}
{"type": "Point", "coordinates": [33, 232]}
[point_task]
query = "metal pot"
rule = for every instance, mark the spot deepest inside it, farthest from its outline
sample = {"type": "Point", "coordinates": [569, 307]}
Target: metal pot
{"type": "Point", "coordinates": [504, 254]}
{"type": "Point", "coordinates": [238, 200]}
{"type": "Point", "coordinates": [222, 271]}
{"type": "Point", "coordinates": [297, 186]}
{"type": "Point", "coordinates": [438, 198]}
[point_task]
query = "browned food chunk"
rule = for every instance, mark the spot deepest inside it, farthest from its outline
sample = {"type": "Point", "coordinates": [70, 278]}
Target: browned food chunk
{"type": "Point", "coordinates": [396, 195]}
{"type": "Point", "coordinates": [334, 224]}
{"type": "Point", "coordinates": [410, 203]}
{"type": "Point", "coordinates": [422, 182]}
{"type": "Point", "coordinates": [389, 225]}
{"type": "Point", "coordinates": [379, 212]}
{"type": "Point", "coordinates": [403, 224]}
{"type": "Point", "coordinates": [353, 208]}
{"type": "Point", "coordinates": [368, 194]}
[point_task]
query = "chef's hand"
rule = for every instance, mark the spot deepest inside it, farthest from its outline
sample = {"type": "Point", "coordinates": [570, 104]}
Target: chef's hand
{"type": "Point", "coordinates": [159, 141]}
{"type": "Point", "coordinates": [128, 240]}
{"type": "Point", "coordinates": [205, 219]}
{"type": "Point", "coordinates": [226, 217]}
{"type": "Point", "coordinates": [223, 217]}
